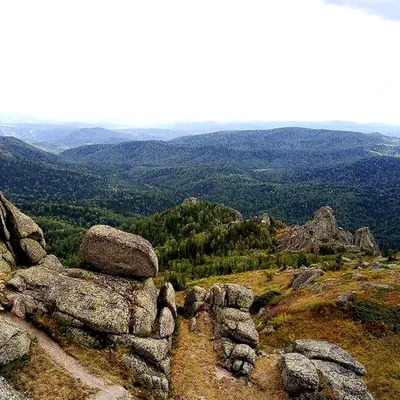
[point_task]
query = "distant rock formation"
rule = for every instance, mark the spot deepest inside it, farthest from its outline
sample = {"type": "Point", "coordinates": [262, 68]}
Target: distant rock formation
{"type": "Point", "coordinates": [233, 324]}
{"type": "Point", "coordinates": [115, 302]}
{"type": "Point", "coordinates": [323, 232]}
{"type": "Point", "coordinates": [310, 366]}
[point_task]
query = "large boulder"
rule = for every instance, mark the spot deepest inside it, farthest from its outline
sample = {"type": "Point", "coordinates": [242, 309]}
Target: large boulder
{"type": "Point", "coordinates": [322, 350]}
{"type": "Point", "coordinates": [305, 278]}
{"type": "Point", "coordinates": [311, 366]}
{"type": "Point", "coordinates": [115, 252]}
{"type": "Point", "coordinates": [14, 342]}
{"type": "Point", "coordinates": [299, 374]}
{"type": "Point", "coordinates": [365, 241]}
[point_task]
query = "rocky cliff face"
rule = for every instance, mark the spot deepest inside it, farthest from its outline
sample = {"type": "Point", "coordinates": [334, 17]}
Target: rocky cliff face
{"type": "Point", "coordinates": [323, 232]}
{"type": "Point", "coordinates": [110, 300]}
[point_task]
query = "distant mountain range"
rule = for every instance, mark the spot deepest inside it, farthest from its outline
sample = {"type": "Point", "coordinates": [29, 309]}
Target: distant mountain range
{"type": "Point", "coordinates": [56, 137]}
{"type": "Point", "coordinates": [288, 172]}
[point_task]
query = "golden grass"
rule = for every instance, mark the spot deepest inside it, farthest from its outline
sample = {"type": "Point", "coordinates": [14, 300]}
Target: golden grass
{"type": "Point", "coordinates": [195, 374]}
{"type": "Point", "coordinates": [107, 365]}
{"type": "Point", "coordinates": [41, 379]}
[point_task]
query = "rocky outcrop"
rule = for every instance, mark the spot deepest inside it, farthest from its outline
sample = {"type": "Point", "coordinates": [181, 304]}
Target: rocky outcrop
{"type": "Point", "coordinates": [8, 393]}
{"type": "Point", "coordinates": [21, 239]}
{"type": "Point", "coordinates": [365, 241]}
{"type": "Point", "coordinates": [119, 253]}
{"type": "Point", "coordinates": [115, 301]}
{"type": "Point", "coordinates": [233, 326]}
{"type": "Point", "coordinates": [309, 367]}
{"type": "Point", "coordinates": [14, 342]}
{"type": "Point", "coordinates": [305, 278]}
{"type": "Point", "coordinates": [323, 233]}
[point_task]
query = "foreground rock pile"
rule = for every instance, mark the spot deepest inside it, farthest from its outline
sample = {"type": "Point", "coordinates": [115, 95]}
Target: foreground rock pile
{"type": "Point", "coordinates": [324, 233]}
{"type": "Point", "coordinates": [15, 343]}
{"type": "Point", "coordinates": [313, 369]}
{"type": "Point", "coordinates": [234, 328]}
{"type": "Point", "coordinates": [110, 300]}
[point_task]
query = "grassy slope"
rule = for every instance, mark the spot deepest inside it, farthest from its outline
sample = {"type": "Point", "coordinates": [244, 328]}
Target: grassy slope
{"type": "Point", "coordinates": [302, 314]}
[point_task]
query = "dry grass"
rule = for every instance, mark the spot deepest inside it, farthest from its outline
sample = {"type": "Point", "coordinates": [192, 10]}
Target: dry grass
{"type": "Point", "coordinates": [107, 365]}
{"type": "Point", "coordinates": [41, 379]}
{"type": "Point", "coordinates": [195, 373]}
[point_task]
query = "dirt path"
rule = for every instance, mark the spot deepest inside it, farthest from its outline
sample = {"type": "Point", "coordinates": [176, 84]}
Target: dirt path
{"type": "Point", "coordinates": [106, 390]}
{"type": "Point", "coordinates": [195, 373]}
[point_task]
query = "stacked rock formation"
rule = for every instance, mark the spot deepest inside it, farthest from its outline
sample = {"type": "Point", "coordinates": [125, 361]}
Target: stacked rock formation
{"type": "Point", "coordinates": [110, 299]}
{"type": "Point", "coordinates": [323, 231]}
{"type": "Point", "coordinates": [310, 368]}
{"type": "Point", "coordinates": [234, 328]}
{"type": "Point", "coordinates": [21, 239]}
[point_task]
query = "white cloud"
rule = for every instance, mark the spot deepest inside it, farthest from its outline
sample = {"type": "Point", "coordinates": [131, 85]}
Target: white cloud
{"type": "Point", "coordinates": [146, 62]}
{"type": "Point", "coordinates": [388, 9]}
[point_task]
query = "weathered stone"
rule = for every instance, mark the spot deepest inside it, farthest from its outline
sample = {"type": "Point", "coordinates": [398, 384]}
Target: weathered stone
{"type": "Point", "coordinates": [217, 295]}
{"type": "Point", "coordinates": [166, 298]}
{"type": "Point", "coordinates": [370, 285]}
{"type": "Point", "coordinates": [115, 252]}
{"type": "Point", "coordinates": [321, 350]}
{"type": "Point", "coordinates": [306, 278]}
{"type": "Point", "coordinates": [195, 294]}
{"type": "Point", "coordinates": [193, 323]}
{"type": "Point", "coordinates": [195, 308]}
{"type": "Point", "coordinates": [81, 338]}
{"type": "Point", "coordinates": [237, 325]}
{"type": "Point", "coordinates": [346, 383]}
{"type": "Point", "coordinates": [21, 226]}
{"type": "Point", "coordinates": [243, 352]}
{"type": "Point", "coordinates": [51, 262]}
{"type": "Point", "coordinates": [5, 268]}
{"type": "Point", "coordinates": [365, 241]}
{"type": "Point", "coordinates": [166, 323]}
{"type": "Point", "coordinates": [324, 225]}
{"type": "Point", "coordinates": [147, 375]}
{"type": "Point", "coordinates": [346, 297]}
{"type": "Point", "coordinates": [238, 296]}
{"type": "Point", "coordinates": [153, 349]}
{"type": "Point", "coordinates": [14, 342]}
{"type": "Point", "coordinates": [33, 251]}
{"type": "Point", "coordinates": [299, 374]}
{"type": "Point", "coordinates": [9, 393]}
{"type": "Point", "coordinates": [98, 307]}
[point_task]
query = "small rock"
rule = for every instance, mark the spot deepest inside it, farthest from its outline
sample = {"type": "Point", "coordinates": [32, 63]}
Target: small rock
{"type": "Point", "coordinates": [346, 297]}
{"type": "Point", "coordinates": [193, 323]}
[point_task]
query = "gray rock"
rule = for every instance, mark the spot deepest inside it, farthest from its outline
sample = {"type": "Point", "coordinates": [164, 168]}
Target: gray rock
{"type": "Point", "coordinates": [167, 298]}
{"type": "Point", "coordinates": [147, 375]}
{"type": "Point", "coordinates": [153, 349]}
{"type": "Point", "coordinates": [365, 241]}
{"type": "Point", "coordinates": [346, 383]}
{"type": "Point", "coordinates": [237, 325]}
{"type": "Point", "coordinates": [5, 268]}
{"type": "Point", "coordinates": [115, 252]}
{"type": "Point", "coordinates": [166, 323]}
{"type": "Point", "coordinates": [195, 294]}
{"type": "Point", "coordinates": [20, 225]}
{"type": "Point", "coordinates": [193, 323]}
{"type": "Point", "coordinates": [98, 307]}
{"type": "Point", "coordinates": [346, 297]}
{"type": "Point", "coordinates": [238, 296]}
{"type": "Point", "coordinates": [370, 285]}
{"type": "Point", "coordinates": [217, 295]}
{"type": "Point", "coordinates": [33, 251]}
{"type": "Point", "coordinates": [243, 352]}
{"type": "Point", "coordinates": [376, 266]}
{"type": "Point", "coordinates": [321, 350]}
{"type": "Point", "coordinates": [51, 262]}
{"type": "Point", "coordinates": [299, 374]}
{"type": "Point", "coordinates": [14, 342]}
{"type": "Point", "coordinates": [306, 278]}
{"type": "Point", "coordinates": [9, 393]}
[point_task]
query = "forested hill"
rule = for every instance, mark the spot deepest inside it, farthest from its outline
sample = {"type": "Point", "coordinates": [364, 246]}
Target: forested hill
{"type": "Point", "coordinates": [288, 172]}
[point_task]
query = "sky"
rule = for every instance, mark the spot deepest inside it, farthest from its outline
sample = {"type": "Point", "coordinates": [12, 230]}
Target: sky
{"type": "Point", "coordinates": [138, 62]}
